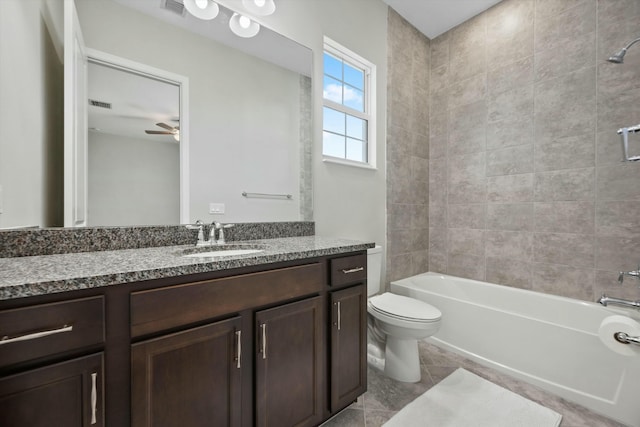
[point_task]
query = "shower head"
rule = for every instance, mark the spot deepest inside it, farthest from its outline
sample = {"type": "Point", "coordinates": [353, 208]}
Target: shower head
{"type": "Point", "coordinates": [618, 58]}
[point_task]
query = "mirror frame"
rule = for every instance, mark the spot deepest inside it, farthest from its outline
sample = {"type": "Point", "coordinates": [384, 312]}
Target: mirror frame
{"type": "Point", "coordinates": [113, 61]}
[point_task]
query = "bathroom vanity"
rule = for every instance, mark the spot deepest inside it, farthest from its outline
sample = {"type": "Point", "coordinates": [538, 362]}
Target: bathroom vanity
{"type": "Point", "coordinates": [276, 338]}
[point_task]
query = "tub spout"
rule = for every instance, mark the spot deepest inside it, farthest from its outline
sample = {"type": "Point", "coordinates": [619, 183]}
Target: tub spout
{"type": "Point", "coordinates": [605, 300]}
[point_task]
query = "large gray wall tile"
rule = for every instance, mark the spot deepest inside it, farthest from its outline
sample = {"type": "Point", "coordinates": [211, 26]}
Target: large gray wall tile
{"type": "Point", "coordinates": [563, 280]}
{"type": "Point", "coordinates": [565, 185]}
{"type": "Point", "coordinates": [509, 272]}
{"type": "Point", "coordinates": [510, 188]}
{"type": "Point", "coordinates": [576, 250]}
{"type": "Point", "coordinates": [564, 217]}
{"type": "Point", "coordinates": [467, 215]}
{"type": "Point", "coordinates": [510, 161]}
{"type": "Point", "coordinates": [509, 245]}
{"type": "Point", "coordinates": [510, 216]}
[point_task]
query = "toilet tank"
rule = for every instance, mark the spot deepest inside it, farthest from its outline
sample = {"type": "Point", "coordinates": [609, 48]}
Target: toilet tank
{"type": "Point", "coordinates": [374, 269]}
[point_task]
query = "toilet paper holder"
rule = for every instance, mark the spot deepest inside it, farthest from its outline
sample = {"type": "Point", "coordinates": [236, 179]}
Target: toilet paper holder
{"type": "Point", "coordinates": [624, 338]}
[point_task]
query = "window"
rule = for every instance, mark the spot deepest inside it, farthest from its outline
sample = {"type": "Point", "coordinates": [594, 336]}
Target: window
{"type": "Point", "coordinates": [348, 107]}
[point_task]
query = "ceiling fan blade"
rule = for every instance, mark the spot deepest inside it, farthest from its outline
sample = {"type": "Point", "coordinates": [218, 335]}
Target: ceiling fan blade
{"type": "Point", "coordinates": [158, 132]}
{"type": "Point", "coordinates": [164, 126]}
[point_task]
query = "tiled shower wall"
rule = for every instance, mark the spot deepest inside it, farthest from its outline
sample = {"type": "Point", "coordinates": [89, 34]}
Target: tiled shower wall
{"type": "Point", "coordinates": [526, 187]}
{"type": "Point", "coordinates": [407, 149]}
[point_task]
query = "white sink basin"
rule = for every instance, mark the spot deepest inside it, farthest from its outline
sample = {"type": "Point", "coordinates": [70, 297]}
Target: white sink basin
{"type": "Point", "coordinates": [223, 253]}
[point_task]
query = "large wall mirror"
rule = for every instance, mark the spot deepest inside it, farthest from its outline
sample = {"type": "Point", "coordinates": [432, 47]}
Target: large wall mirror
{"type": "Point", "coordinates": [249, 117]}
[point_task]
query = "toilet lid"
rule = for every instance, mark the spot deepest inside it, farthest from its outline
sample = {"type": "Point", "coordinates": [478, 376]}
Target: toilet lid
{"type": "Point", "coordinates": [405, 307]}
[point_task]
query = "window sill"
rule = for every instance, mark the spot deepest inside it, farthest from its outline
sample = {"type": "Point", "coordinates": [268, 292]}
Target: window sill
{"type": "Point", "coordinates": [338, 161]}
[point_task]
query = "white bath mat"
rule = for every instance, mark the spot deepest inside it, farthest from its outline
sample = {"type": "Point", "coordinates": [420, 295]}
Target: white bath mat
{"type": "Point", "coordinates": [464, 399]}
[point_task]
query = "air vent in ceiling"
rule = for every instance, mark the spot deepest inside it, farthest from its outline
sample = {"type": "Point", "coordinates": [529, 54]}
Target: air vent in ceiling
{"type": "Point", "coordinates": [100, 104]}
{"type": "Point", "coordinates": [173, 6]}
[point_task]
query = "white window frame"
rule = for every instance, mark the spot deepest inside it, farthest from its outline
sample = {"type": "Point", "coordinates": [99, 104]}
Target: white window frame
{"type": "Point", "coordinates": [352, 58]}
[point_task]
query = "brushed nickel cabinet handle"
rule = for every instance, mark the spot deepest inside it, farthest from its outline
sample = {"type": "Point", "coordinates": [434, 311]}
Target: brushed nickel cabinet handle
{"type": "Point", "coordinates": [94, 397]}
{"type": "Point", "coordinates": [239, 348]}
{"type": "Point", "coordinates": [6, 340]}
{"type": "Point", "coordinates": [263, 327]}
{"type": "Point", "coordinates": [353, 270]}
{"type": "Point", "coordinates": [339, 315]}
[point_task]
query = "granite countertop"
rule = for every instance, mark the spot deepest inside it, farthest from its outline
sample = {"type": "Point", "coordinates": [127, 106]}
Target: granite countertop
{"type": "Point", "coordinates": [46, 274]}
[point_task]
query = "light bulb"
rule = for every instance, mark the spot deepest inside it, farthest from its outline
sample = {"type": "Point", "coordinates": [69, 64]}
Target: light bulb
{"type": "Point", "coordinates": [242, 26]}
{"type": "Point", "coordinates": [203, 9]}
{"type": "Point", "coordinates": [259, 7]}
{"type": "Point", "coordinates": [244, 21]}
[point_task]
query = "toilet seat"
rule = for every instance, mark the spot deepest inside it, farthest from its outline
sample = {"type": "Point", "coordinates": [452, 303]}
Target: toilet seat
{"type": "Point", "coordinates": [413, 310]}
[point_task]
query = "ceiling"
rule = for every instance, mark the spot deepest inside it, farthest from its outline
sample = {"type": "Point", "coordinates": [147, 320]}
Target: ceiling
{"type": "Point", "coordinates": [434, 17]}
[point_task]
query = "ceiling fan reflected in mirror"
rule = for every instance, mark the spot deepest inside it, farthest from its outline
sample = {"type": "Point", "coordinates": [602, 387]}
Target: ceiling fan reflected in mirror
{"type": "Point", "coordinates": [169, 130]}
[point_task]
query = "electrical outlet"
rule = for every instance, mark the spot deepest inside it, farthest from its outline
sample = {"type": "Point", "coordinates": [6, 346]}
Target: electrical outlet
{"type": "Point", "coordinates": [216, 208]}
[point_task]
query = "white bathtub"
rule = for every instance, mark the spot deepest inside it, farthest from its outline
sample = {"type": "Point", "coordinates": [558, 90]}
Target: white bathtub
{"type": "Point", "coordinates": [549, 341]}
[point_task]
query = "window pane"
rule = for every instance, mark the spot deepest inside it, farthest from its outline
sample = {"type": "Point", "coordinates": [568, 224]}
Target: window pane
{"type": "Point", "coordinates": [356, 128]}
{"type": "Point", "coordinates": [332, 90]}
{"type": "Point", "coordinates": [356, 150]}
{"type": "Point", "coordinates": [333, 121]}
{"type": "Point", "coordinates": [332, 145]}
{"type": "Point", "coordinates": [353, 98]}
{"type": "Point", "coordinates": [332, 66]}
{"type": "Point", "coordinates": [354, 76]}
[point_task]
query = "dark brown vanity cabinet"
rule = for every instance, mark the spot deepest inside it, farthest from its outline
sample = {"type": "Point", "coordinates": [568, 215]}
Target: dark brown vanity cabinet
{"type": "Point", "coordinates": [276, 346]}
{"type": "Point", "coordinates": [348, 362]}
{"type": "Point", "coordinates": [63, 394]}
{"type": "Point", "coordinates": [288, 366]}
{"type": "Point", "coordinates": [51, 364]}
{"type": "Point", "coordinates": [190, 378]}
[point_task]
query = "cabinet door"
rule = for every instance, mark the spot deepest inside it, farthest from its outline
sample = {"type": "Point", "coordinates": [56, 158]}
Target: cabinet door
{"type": "Point", "coordinates": [66, 394]}
{"type": "Point", "coordinates": [288, 365]}
{"type": "Point", "coordinates": [189, 378]}
{"type": "Point", "coordinates": [348, 362]}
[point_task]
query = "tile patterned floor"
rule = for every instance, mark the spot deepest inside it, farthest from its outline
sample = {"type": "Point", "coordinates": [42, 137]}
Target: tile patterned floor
{"type": "Point", "coordinates": [385, 396]}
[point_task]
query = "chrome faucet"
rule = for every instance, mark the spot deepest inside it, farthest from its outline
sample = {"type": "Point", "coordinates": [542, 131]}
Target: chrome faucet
{"type": "Point", "coordinates": [220, 227]}
{"type": "Point", "coordinates": [634, 273]}
{"type": "Point", "coordinates": [199, 225]}
{"type": "Point", "coordinates": [605, 300]}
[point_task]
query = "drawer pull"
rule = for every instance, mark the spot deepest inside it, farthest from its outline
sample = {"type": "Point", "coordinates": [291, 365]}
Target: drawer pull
{"type": "Point", "coordinates": [239, 349]}
{"type": "Point", "coordinates": [264, 340]}
{"type": "Point", "coordinates": [94, 397]}
{"type": "Point", "coordinates": [353, 270]}
{"type": "Point", "coordinates": [6, 340]}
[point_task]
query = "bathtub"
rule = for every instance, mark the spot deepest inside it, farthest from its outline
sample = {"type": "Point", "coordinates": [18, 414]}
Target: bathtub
{"type": "Point", "coordinates": [546, 340]}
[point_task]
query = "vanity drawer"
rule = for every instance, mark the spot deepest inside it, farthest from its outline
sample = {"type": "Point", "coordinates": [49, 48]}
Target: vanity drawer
{"type": "Point", "coordinates": [348, 269]}
{"type": "Point", "coordinates": [160, 309]}
{"type": "Point", "coordinates": [44, 330]}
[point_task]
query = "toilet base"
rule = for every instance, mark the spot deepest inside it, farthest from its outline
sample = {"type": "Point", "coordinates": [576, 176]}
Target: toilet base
{"type": "Point", "coordinates": [402, 362]}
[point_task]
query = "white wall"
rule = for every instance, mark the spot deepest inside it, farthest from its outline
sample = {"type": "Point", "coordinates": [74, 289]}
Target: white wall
{"type": "Point", "coordinates": [30, 116]}
{"type": "Point", "coordinates": [132, 181]}
{"type": "Point", "coordinates": [244, 134]}
{"type": "Point", "coordinates": [348, 202]}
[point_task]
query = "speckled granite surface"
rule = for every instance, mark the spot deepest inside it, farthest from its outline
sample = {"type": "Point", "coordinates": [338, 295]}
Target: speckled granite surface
{"type": "Point", "coordinates": [46, 274]}
{"type": "Point", "coordinates": [50, 241]}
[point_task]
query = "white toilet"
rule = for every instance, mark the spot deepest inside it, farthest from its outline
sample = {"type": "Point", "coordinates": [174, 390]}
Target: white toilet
{"type": "Point", "coordinates": [396, 323]}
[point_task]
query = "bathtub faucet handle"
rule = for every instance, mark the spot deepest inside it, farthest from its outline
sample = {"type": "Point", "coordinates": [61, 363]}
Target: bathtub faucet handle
{"type": "Point", "coordinates": [635, 273]}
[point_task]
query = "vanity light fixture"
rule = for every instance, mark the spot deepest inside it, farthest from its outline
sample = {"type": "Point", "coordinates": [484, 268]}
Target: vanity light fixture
{"type": "Point", "coordinates": [243, 26]}
{"type": "Point", "coordinates": [259, 7]}
{"type": "Point", "coordinates": [203, 9]}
